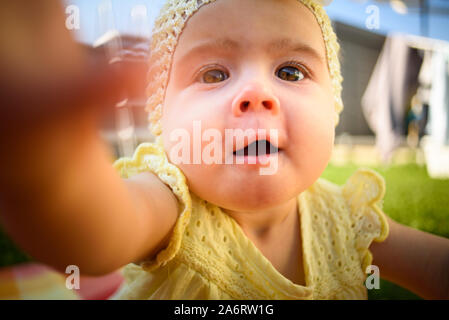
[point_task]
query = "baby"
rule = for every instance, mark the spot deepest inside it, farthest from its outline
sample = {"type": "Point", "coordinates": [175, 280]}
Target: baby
{"type": "Point", "coordinates": [212, 226]}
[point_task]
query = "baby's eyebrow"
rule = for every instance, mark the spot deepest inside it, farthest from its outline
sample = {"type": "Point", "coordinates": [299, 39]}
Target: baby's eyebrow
{"type": "Point", "coordinates": [215, 45]}
{"type": "Point", "coordinates": [223, 45]}
{"type": "Point", "coordinates": [287, 44]}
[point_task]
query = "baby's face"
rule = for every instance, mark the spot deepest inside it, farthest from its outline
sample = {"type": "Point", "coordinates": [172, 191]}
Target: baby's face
{"type": "Point", "coordinates": [252, 64]}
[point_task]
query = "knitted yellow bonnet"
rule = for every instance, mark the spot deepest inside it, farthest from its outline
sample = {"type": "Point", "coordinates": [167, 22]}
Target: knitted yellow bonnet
{"type": "Point", "coordinates": [168, 27]}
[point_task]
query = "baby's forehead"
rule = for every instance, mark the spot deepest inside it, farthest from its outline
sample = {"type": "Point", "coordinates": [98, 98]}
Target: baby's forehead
{"type": "Point", "coordinates": [236, 25]}
{"type": "Point", "coordinates": [231, 47]}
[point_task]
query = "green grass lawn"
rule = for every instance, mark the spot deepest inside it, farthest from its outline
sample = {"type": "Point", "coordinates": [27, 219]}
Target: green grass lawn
{"type": "Point", "coordinates": [412, 198]}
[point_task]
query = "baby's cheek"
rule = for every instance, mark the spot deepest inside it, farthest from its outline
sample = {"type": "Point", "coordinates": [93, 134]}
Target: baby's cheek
{"type": "Point", "coordinates": [312, 134]}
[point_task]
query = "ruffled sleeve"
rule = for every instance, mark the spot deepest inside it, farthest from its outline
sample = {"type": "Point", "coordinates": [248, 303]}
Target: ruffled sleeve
{"type": "Point", "coordinates": [151, 157]}
{"type": "Point", "coordinates": [364, 192]}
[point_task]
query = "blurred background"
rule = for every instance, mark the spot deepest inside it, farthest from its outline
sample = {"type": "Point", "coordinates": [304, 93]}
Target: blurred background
{"type": "Point", "coordinates": [395, 64]}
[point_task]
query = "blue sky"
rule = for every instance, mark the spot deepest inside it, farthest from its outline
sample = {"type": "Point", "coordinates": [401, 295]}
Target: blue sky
{"type": "Point", "coordinates": [353, 12]}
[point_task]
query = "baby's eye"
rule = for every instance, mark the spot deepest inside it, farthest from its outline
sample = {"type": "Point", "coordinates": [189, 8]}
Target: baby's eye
{"type": "Point", "coordinates": [291, 72]}
{"type": "Point", "coordinates": [213, 76]}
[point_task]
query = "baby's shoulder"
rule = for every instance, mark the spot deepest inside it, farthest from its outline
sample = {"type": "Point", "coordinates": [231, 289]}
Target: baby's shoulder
{"type": "Point", "coordinates": [151, 157]}
{"type": "Point", "coordinates": [354, 209]}
{"type": "Point", "coordinates": [363, 186]}
{"type": "Point", "coordinates": [356, 205]}
{"type": "Point", "coordinates": [147, 156]}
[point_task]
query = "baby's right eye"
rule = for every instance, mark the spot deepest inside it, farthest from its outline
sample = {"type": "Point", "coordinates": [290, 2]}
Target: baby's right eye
{"type": "Point", "coordinates": [212, 75]}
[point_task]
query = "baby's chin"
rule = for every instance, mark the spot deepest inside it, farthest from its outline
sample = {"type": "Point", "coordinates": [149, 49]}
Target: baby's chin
{"type": "Point", "coordinates": [250, 194]}
{"type": "Point", "coordinates": [251, 202]}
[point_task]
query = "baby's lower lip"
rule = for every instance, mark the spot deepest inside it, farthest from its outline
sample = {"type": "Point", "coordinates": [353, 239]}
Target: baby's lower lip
{"type": "Point", "coordinates": [257, 160]}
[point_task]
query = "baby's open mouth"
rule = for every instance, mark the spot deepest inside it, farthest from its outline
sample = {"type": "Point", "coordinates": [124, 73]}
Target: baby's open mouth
{"type": "Point", "coordinates": [257, 148]}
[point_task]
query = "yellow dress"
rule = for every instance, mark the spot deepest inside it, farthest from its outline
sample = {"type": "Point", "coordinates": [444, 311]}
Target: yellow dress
{"type": "Point", "coordinates": [210, 257]}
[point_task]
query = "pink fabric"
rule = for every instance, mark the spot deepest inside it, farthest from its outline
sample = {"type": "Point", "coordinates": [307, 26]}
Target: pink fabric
{"type": "Point", "coordinates": [37, 281]}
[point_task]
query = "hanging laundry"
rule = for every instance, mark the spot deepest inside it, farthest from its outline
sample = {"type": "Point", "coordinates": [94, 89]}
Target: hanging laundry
{"type": "Point", "coordinates": [438, 126]}
{"type": "Point", "coordinates": [424, 89]}
{"type": "Point", "coordinates": [425, 78]}
{"type": "Point", "coordinates": [390, 89]}
{"type": "Point", "coordinates": [436, 145]}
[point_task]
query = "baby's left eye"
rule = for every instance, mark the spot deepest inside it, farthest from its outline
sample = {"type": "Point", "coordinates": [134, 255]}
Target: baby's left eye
{"type": "Point", "coordinates": [291, 73]}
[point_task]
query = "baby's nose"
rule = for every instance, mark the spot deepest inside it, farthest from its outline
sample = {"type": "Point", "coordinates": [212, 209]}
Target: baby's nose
{"type": "Point", "coordinates": [255, 97]}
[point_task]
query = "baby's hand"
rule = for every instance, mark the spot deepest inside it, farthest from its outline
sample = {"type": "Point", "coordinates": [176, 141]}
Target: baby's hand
{"type": "Point", "coordinates": [45, 74]}
{"type": "Point", "coordinates": [61, 200]}
{"type": "Point", "coordinates": [51, 92]}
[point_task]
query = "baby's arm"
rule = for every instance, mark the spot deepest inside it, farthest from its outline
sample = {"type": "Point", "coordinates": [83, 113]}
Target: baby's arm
{"type": "Point", "coordinates": [416, 260]}
{"type": "Point", "coordinates": [63, 203]}
{"type": "Point", "coordinates": [60, 198]}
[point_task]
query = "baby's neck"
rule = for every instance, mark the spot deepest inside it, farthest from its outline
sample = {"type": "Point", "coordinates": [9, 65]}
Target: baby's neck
{"type": "Point", "coordinates": [263, 224]}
